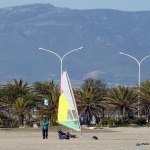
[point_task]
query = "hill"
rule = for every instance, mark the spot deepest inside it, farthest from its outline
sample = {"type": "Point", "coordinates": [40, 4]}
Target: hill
{"type": "Point", "coordinates": [102, 32]}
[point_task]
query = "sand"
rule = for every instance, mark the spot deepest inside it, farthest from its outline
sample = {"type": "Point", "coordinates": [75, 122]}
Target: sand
{"type": "Point", "coordinates": [121, 138]}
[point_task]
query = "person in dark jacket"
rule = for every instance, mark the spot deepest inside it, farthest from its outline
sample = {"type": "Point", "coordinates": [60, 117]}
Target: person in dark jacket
{"type": "Point", "coordinates": [44, 125]}
{"type": "Point", "coordinates": [63, 135]}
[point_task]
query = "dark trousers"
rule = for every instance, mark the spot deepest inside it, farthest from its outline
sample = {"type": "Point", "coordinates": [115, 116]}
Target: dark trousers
{"type": "Point", "coordinates": [45, 133]}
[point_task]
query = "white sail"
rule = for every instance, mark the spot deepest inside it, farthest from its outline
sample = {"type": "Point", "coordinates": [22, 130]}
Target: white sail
{"type": "Point", "coordinates": [67, 110]}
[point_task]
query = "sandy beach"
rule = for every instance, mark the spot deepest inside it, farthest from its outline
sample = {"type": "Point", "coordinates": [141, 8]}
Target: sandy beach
{"type": "Point", "coordinates": [121, 138]}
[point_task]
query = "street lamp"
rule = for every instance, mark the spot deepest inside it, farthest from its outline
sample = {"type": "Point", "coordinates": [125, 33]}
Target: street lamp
{"type": "Point", "coordinates": [139, 64]}
{"type": "Point", "coordinates": [61, 58]}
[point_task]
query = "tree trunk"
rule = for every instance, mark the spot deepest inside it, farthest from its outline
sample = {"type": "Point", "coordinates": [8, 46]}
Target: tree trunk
{"type": "Point", "coordinates": [21, 119]}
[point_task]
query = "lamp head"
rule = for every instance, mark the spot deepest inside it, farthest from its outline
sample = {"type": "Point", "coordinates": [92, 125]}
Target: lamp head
{"type": "Point", "coordinates": [81, 47]}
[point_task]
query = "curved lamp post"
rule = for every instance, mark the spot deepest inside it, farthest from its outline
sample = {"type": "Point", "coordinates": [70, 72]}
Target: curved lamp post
{"type": "Point", "coordinates": [139, 64]}
{"type": "Point", "coordinates": [61, 58]}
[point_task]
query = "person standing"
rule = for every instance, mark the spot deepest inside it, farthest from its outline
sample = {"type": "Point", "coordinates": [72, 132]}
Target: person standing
{"type": "Point", "coordinates": [44, 125]}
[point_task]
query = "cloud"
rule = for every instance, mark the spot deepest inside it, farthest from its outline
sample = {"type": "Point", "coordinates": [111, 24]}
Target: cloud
{"type": "Point", "coordinates": [94, 74]}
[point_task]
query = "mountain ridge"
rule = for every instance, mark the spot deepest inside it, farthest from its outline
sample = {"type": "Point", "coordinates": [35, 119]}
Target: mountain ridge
{"type": "Point", "coordinates": [102, 32]}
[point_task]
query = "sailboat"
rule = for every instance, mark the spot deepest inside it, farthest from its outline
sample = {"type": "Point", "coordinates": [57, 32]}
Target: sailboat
{"type": "Point", "coordinates": [67, 109]}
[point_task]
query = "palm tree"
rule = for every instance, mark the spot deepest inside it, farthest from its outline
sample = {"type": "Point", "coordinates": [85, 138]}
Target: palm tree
{"type": "Point", "coordinates": [11, 91]}
{"type": "Point", "coordinates": [19, 108]}
{"type": "Point", "coordinates": [89, 98]}
{"type": "Point", "coordinates": [50, 91]}
{"type": "Point", "coordinates": [121, 100]}
{"type": "Point", "coordinates": [144, 95]}
{"type": "Point", "coordinates": [16, 89]}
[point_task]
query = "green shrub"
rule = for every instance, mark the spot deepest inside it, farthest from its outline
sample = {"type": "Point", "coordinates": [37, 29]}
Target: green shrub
{"type": "Point", "coordinates": [141, 121]}
{"type": "Point", "coordinates": [107, 121]}
{"type": "Point", "coordinates": [121, 121]}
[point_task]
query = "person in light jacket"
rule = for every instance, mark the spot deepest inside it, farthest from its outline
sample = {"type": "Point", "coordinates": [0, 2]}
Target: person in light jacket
{"type": "Point", "coordinates": [44, 125]}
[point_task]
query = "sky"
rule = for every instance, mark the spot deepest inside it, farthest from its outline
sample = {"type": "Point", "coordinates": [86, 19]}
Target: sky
{"type": "Point", "coordinates": [125, 5]}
